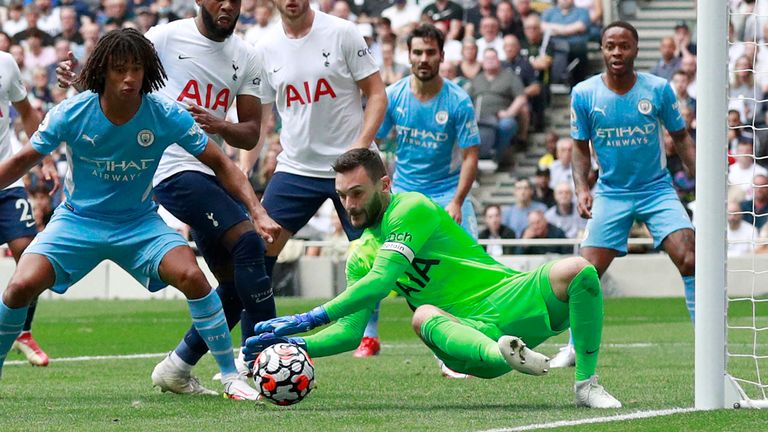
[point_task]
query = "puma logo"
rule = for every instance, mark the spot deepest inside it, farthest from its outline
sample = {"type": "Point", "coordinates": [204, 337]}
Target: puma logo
{"type": "Point", "coordinates": [89, 139]}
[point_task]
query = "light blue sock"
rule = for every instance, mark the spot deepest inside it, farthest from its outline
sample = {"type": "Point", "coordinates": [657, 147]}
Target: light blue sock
{"type": "Point", "coordinates": [11, 324]}
{"type": "Point", "coordinates": [372, 329]}
{"type": "Point", "coordinates": [690, 295]}
{"type": "Point", "coordinates": [208, 319]}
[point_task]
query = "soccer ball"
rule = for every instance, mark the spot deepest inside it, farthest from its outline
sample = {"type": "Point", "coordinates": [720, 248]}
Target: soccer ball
{"type": "Point", "coordinates": [284, 374]}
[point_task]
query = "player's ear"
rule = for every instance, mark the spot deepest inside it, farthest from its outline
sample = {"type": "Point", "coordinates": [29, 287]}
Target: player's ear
{"type": "Point", "coordinates": [386, 184]}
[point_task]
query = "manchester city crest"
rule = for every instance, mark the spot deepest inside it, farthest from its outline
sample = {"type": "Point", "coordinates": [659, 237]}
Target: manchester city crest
{"type": "Point", "coordinates": [644, 106]}
{"type": "Point", "coordinates": [145, 138]}
{"type": "Point", "coordinates": [441, 117]}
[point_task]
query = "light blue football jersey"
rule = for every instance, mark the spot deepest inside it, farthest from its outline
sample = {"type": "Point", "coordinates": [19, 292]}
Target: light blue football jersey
{"type": "Point", "coordinates": [111, 167]}
{"type": "Point", "coordinates": [430, 136]}
{"type": "Point", "coordinates": [625, 131]}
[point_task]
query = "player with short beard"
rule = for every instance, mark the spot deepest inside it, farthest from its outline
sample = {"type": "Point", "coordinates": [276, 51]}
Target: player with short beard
{"type": "Point", "coordinates": [210, 70]}
{"type": "Point", "coordinates": [437, 143]}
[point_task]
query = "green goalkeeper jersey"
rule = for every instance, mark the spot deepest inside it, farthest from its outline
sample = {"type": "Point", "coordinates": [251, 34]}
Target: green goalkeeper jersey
{"type": "Point", "coordinates": [419, 251]}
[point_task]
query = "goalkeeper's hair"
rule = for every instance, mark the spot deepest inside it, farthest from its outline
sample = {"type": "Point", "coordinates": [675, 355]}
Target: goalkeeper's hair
{"type": "Point", "coordinates": [622, 24]}
{"type": "Point", "coordinates": [117, 48]}
{"type": "Point", "coordinates": [368, 159]}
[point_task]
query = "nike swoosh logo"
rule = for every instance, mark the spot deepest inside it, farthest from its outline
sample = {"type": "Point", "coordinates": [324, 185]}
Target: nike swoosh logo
{"type": "Point", "coordinates": [30, 224]}
{"type": "Point", "coordinates": [275, 70]}
{"type": "Point", "coordinates": [592, 352]}
{"type": "Point", "coordinates": [184, 57]}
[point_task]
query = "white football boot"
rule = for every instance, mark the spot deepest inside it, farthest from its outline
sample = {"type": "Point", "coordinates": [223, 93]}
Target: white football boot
{"type": "Point", "coordinates": [242, 368]}
{"type": "Point", "coordinates": [238, 389]}
{"type": "Point", "coordinates": [450, 373]}
{"type": "Point", "coordinates": [592, 395]}
{"type": "Point", "coordinates": [170, 377]}
{"type": "Point", "coordinates": [565, 358]}
{"type": "Point", "coordinates": [521, 358]}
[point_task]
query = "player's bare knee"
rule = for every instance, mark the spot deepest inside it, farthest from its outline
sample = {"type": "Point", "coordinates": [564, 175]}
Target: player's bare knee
{"type": "Point", "coordinates": [19, 293]}
{"type": "Point", "coordinates": [192, 282]}
{"type": "Point", "coordinates": [423, 313]}
{"type": "Point", "coordinates": [687, 266]}
{"type": "Point", "coordinates": [564, 272]}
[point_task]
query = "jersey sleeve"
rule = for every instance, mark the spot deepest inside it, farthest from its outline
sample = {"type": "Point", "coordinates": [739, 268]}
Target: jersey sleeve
{"type": "Point", "coordinates": [250, 86]}
{"type": "Point", "coordinates": [466, 124]}
{"type": "Point", "coordinates": [357, 54]}
{"type": "Point", "coordinates": [263, 89]}
{"type": "Point", "coordinates": [192, 138]}
{"type": "Point", "coordinates": [579, 117]}
{"type": "Point", "coordinates": [17, 91]}
{"type": "Point", "coordinates": [50, 132]}
{"type": "Point", "coordinates": [670, 110]}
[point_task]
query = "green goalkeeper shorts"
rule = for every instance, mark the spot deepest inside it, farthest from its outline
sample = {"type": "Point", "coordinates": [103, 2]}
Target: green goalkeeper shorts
{"type": "Point", "coordinates": [524, 307]}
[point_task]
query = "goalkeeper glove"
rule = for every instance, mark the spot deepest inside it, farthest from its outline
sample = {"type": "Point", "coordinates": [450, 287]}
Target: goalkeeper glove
{"type": "Point", "coordinates": [292, 324]}
{"type": "Point", "coordinates": [254, 345]}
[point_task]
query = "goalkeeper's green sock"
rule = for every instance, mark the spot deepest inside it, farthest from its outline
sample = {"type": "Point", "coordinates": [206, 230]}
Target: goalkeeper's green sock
{"type": "Point", "coordinates": [479, 353]}
{"type": "Point", "coordinates": [585, 305]}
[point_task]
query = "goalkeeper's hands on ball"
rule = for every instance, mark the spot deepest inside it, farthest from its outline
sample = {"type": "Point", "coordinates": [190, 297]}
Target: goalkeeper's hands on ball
{"type": "Point", "coordinates": [277, 329]}
{"type": "Point", "coordinates": [254, 345]}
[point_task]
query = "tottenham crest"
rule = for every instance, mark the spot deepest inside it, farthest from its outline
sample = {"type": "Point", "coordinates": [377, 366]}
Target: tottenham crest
{"type": "Point", "coordinates": [441, 117]}
{"type": "Point", "coordinates": [145, 138]}
{"type": "Point", "coordinates": [644, 106]}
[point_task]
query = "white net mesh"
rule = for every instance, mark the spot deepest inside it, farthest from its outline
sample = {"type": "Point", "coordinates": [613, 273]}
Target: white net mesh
{"type": "Point", "coordinates": [747, 316]}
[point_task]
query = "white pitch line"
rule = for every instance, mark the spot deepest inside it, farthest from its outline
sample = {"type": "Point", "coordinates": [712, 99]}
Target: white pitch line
{"type": "Point", "coordinates": [593, 420]}
{"type": "Point", "coordinates": [155, 355]}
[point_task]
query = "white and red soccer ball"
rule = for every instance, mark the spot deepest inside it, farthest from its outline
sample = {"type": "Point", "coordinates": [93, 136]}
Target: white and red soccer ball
{"type": "Point", "coordinates": [284, 374]}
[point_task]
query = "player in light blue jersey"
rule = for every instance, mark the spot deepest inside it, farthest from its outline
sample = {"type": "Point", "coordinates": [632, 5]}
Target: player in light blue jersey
{"type": "Point", "coordinates": [115, 134]}
{"type": "Point", "coordinates": [437, 142]}
{"type": "Point", "coordinates": [622, 112]}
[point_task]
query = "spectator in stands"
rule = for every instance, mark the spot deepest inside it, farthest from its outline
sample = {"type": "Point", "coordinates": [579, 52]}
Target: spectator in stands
{"type": "Point", "coordinates": [561, 171]}
{"type": "Point", "coordinates": [761, 139]}
{"type": "Point", "coordinates": [539, 56]}
{"type": "Point", "coordinates": [475, 14]}
{"type": "Point", "coordinates": [15, 22]}
{"type": "Point", "coordinates": [743, 89]}
{"type": "Point", "coordinates": [50, 18]}
{"type": "Point", "coordinates": [669, 63]}
{"type": "Point", "coordinates": [451, 47]}
{"type": "Point", "coordinates": [5, 42]}
{"type": "Point", "coordinates": [740, 234]}
{"type": "Point", "coordinates": [757, 208]}
{"type": "Point", "coordinates": [595, 9]}
{"type": "Point", "coordinates": [263, 24]}
{"type": "Point", "coordinates": [164, 12]}
{"type": "Point", "coordinates": [247, 16]}
{"type": "Point", "coordinates": [550, 145]}
{"type": "Point", "coordinates": [18, 56]}
{"type": "Point", "coordinates": [683, 44]}
{"type": "Point", "coordinates": [145, 19]}
{"type": "Point", "coordinates": [32, 15]}
{"type": "Point", "coordinates": [40, 89]}
{"type": "Point", "coordinates": [688, 65]}
{"type": "Point", "coordinates": [735, 131]}
{"type": "Point", "coordinates": [491, 38]}
{"type": "Point", "coordinates": [533, 87]}
{"type": "Point", "coordinates": [448, 71]}
{"type": "Point", "coordinates": [447, 12]}
{"type": "Point", "coordinates": [70, 29]}
{"type": "Point", "coordinates": [516, 216]}
{"type": "Point", "coordinates": [541, 190]}
{"type": "Point", "coordinates": [539, 228]}
{"type": "Point", "coordinates": [82, 9]}
{"type": "Point", "coordinates": [390, 70]}
{"type": "Point", "coordinates": [564, 213]}
{"type": "Point", "coordinates": [114, 10]}
{"type": "Point", "coordinates": [523, 8]}
{"type": "Point", "coordinates": [37, 55]}
{"type": "Point", "coordinates": [403, 16]}
{"type": "Point", "coordinates": [91, 33]}
{"type": "Point", "coordinates": [469, 66]}
{"type": "Point", "coordinates": [495, 230]}
{"type": "Point", "coordinates": [384, 31]}
{"type": "Point", "coordinates": [370, 10]}
{"type": "Point", "coordinates": [679, 83]}
{"type": "Point", "coordinates": [740, 174]}
{"type": "Point", "coordinates": [509, 21]}
{"type": "Point", "coordinates": [568, 27]}
{"type": "Point", "coordinates": [502, 108]}
{"type": "Point", "coordinates": [342, 10]}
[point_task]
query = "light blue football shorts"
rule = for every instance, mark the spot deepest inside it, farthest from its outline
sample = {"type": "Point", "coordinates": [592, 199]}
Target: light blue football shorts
{"type": "Point", "coordinates": [75, 244]}
{"type": "Point", "coordinates": [468, 217]}
{"type": "Point", "coordinates": [613, 215]}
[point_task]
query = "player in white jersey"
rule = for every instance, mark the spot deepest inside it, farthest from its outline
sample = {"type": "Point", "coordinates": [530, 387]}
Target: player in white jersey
{"type": "Point", "coordinates": [17, 226]}
{"type": "Point", "coordinates": [314, 67]}
{"type": "Point", "coordinates": [209, 70]}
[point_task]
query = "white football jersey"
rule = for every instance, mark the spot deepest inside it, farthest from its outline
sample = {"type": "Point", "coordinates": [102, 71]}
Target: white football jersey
{"type": "Point", "coordinates": [313, 83]}
{"type": "Point", "coordinates": [201, 72]}
{"type": "Point", "coordinates": [11, 90]}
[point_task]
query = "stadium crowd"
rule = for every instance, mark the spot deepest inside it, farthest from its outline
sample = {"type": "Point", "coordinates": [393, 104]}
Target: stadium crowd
{"type": "Point", "coordinates": [509, 55]}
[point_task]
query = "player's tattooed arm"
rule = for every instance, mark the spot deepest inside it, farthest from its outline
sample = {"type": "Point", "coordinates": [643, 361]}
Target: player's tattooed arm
{"type": "Point", "coordinates": [244, 134]}
{"type": "Point", "coordinates": [581, 166]}
{"type": "Point", "coordinates": [373, 88]}
{"type": "Point", "coordinates": [686, 149]}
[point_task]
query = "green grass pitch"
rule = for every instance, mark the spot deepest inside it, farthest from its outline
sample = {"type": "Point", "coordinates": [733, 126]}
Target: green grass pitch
{"type": "Point", "coordinates": [646, 362]}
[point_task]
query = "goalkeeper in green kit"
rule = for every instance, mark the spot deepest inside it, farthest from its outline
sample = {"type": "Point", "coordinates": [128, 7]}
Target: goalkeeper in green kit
{"type": "Point", "coordinates": [476, 315]}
